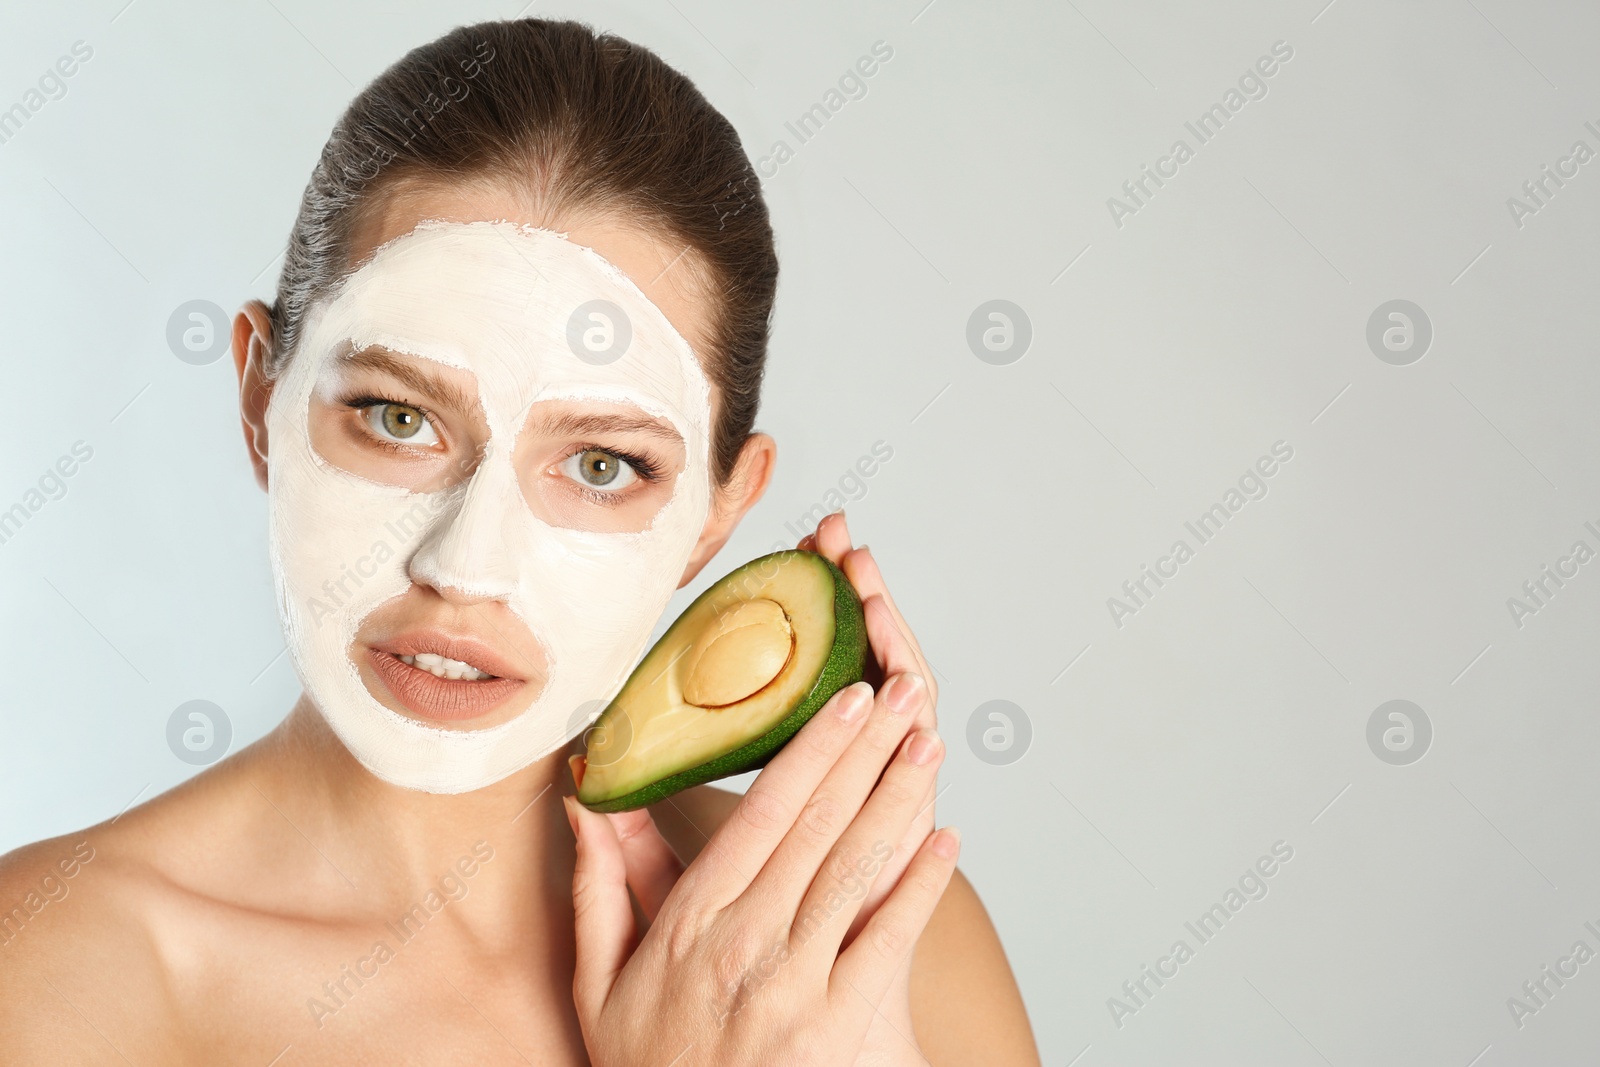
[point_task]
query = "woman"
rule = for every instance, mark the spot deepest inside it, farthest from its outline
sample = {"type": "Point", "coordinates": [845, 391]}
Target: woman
{"type": "Point", "coordinates": [474, 527]}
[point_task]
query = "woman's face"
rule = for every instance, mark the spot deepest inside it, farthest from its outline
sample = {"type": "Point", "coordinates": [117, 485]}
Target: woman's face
{"type": "Point", "coordinates": [490, 466]}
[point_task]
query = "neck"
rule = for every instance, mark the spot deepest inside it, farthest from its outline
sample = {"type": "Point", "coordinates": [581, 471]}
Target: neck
{"type": "Point", "coordinates": [396, 844]}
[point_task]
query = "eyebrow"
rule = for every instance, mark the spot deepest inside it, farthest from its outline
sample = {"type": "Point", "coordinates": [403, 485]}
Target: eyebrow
{"type": "Point", "coordinates": [413, 376]}
{"type": "Point", "coordinates": [563, 423]}
{"type": "Point", "coordinates": [583, 423]}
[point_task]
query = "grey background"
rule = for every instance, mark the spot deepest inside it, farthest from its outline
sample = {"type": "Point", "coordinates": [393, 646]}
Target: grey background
{"type": "Point", "coordinates": [1168, 354]}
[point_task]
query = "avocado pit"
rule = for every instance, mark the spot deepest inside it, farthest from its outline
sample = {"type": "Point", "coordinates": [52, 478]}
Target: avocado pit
{"type": "Point", "coordinates": [738, 655]}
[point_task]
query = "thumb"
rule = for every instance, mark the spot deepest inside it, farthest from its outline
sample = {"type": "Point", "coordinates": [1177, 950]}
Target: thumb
{"type": "Point", "coordinates": [603, 917]}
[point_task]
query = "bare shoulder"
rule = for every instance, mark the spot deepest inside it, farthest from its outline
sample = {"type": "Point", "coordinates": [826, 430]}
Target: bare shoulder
{"type": "Point", "coordinates": [102, 930]}
{"type": "Point", "coordinates": [964, 999]}
{"type": "Point", "coordinates": [76, 952]}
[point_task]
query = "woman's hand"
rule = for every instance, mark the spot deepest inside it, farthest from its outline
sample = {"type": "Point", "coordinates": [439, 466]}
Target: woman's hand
{"type": "Point", "coordinates": [789, 938]}
{"type": "Point", "coordinates": [891, 1029]}
{"type": "Point", "coordinates": [894, 651]}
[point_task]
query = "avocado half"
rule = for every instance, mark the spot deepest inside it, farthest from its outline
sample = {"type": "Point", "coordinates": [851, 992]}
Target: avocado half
{"type": "Point", "coordinates": [733, 678]}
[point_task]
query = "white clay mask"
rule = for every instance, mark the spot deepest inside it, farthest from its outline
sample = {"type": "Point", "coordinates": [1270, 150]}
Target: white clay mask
{"type": "Point", "coordinates": [522, 316]}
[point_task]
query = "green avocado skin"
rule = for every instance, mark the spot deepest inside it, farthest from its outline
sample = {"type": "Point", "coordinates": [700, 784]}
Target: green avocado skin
{"type": "Point", "coordinates": [846, 663]}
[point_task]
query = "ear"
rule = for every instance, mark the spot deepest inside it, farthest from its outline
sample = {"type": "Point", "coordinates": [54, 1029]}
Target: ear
{"type": "Point", "coordinates": [751, 476]}
{"type": "Point", "coordinates": [252, 347]}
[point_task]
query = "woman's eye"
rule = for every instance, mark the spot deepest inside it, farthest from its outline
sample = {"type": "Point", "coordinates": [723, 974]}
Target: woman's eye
{"type": "Point", "coordinates": [595, 469]}
{"type": "Point", "coordinates": [402, 423]}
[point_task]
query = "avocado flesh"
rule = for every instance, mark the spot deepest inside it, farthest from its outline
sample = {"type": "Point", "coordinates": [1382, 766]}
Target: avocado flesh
{"type": "Point", "coordinates": [651, 742]}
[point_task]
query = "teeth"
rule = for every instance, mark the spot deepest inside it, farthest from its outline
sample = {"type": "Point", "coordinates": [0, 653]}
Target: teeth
{"type": "Point", "coordinates": [445, 667]}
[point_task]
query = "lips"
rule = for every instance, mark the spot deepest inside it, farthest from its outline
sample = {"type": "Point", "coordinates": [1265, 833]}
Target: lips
{"type": "Point", "coordinates": [428, 696]}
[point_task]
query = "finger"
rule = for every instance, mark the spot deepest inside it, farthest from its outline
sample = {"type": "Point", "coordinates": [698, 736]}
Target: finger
{"type": "Point", "coordinates": [603, 918]}
{"type": "Point", "coordinates": [894, 654]}
{"type": "Point", "coordinates": [889, 645]}
{"type": "Point", "coordinates": [746, 839]}
{"type": "Point", "coordinates": [898, 657]}
{"type": "Point", "coordinates": [904, 850]}
{"type": "Point", "coordinates": [832, 537]}
{"type": "Point", "coordinates": [861, 857]}
{"type": "Point", "coordinates": [887, 637]}
{"type": "Point", "coordinates": [862, 974]}
{"type": "Point", "coordinates": [798, 861]}
{"type": "Point", "coordinates": [922, 824]}
{"type": "Point", "coordinates": [863, 571]}
{"type": "Point", "coordinates": [652, 867]}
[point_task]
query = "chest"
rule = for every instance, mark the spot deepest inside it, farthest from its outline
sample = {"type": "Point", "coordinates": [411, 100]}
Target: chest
{"type": "Point", "coordinates": [384, 993]}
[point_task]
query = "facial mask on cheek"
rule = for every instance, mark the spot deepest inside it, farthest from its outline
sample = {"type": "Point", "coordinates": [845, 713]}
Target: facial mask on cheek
{"type": "Point", "coordinates": [498, 300]}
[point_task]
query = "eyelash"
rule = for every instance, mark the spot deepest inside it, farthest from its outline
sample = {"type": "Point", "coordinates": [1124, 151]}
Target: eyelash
{"type": "Point", "coordinates": [646, 467]}
{"type": "Point", "coordinates": [362, 401]}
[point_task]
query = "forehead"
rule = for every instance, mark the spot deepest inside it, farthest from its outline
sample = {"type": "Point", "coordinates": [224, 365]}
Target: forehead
{"type": "Point", "coordinates": [530, 313]}
{"type": "Point", "coordinates": [671, 275]}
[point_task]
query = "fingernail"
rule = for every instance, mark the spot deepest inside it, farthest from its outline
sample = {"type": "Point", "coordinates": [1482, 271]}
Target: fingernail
{"type": "Point", "coordinates": [947, 842]}
{"type": "Point", "coordinates": [923, 747]}
{"type": "Point", "coordinates": [854, 701]}
{"type": "Point", "coordinates": [904, 692]}
{"type": "Point", "coordinates": [572, 816]}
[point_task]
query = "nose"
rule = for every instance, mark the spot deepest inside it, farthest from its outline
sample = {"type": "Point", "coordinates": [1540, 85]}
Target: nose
{"type": "Point", "coordinates": [467, 553]}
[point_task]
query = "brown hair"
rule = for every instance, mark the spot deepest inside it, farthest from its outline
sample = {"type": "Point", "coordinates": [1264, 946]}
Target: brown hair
{"type": "Point", "coordinates": [594, 124]}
